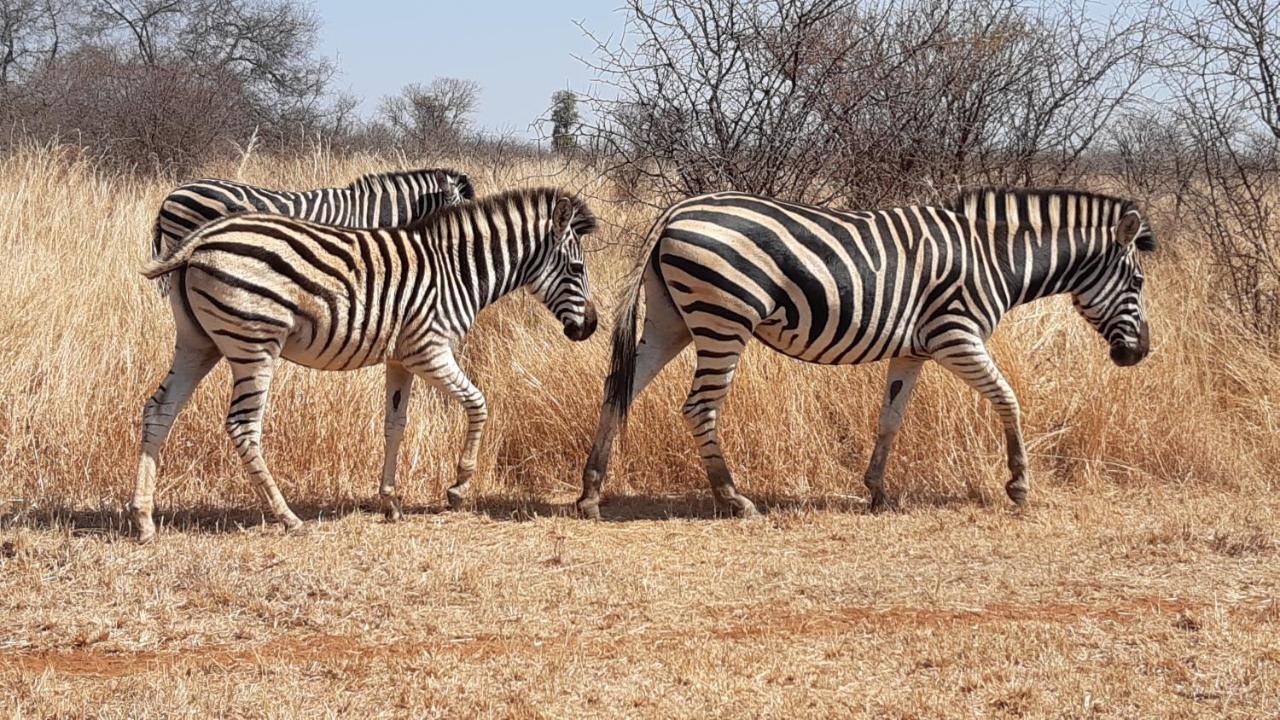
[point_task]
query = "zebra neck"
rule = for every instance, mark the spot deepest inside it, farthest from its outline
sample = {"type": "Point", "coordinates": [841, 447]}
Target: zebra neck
{"type": "Point", "coordinates": [481, 267]}
{"type": "Point", "coordinates": [381, 204]}
{"type": "Point", "coordinates": [1035, 263]}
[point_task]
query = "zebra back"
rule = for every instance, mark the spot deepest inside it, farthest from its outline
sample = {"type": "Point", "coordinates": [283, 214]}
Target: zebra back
{"type": "Point", "coordinates": [1047, 208]}
{"type": "Point", "coordinates": [400, 198]}
{"type": "Point", "coordinates": [375, 200]}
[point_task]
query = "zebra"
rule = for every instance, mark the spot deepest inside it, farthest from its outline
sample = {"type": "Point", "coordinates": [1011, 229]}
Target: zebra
{"type": "Point", "coordinates": [376, 200]}
{"type": "Point", "coordinates": [255, 288]}
{"type": "Point", "coordinates": [907, 284]}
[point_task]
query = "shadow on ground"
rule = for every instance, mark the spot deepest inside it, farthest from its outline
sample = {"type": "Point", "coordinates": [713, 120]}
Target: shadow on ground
{"type": "Point", "coordinates": [214, 520]}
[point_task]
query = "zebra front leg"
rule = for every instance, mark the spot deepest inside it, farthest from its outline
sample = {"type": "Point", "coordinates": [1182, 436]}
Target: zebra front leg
{"type": "Point", "coordinates": [252, 383]}
{"type": "Point", "coordinates": [717, 361]}
{"type": "Point", "coordinates": [900, 383]}
{"type": "Point", "coordinates": [399, 387]}
{"type": "Point", "coordinates": [190, 366]}
{"type": "Point", "coordinates": [975, 366]}
{"type": "Point", "coordinates": [442, 371]}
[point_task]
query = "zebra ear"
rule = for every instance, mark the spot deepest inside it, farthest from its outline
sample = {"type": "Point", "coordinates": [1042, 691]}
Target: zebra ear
{"type": "Point", "coordinates": [1128, 229]}
{"type": "Point", "coordinates": [465, 188]}
{"type": "Point", "coordinates": [561, 216]}
{"type": "Point", "coordinates": [571, 213]}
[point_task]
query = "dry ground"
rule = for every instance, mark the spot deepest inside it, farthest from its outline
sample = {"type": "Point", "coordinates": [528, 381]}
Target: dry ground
{"type": "Point", "coordinates": [1141, 582]}
{"type": "Point", "coordinates": [1090, 604]}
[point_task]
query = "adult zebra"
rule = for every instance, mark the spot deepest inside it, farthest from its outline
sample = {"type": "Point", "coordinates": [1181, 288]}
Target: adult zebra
{"type": "Point", "coordinates": [907, 284]}
{"type": "Point", "coordinates": [254, 288]}
{"type": "Point", "coordinates": [377, 200]}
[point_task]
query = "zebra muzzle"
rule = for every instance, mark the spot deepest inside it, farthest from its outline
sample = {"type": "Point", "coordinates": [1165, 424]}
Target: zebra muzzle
{"type": "Point", "coordinates": [1129, 355]}
{"type": "Point", "coordinates": [578, 332]}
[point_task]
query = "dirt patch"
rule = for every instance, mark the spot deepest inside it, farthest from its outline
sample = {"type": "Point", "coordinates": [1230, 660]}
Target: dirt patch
{"type": "Point", "coordinates": [762, 620]}
{"type": "Point", "coordinates": [784, 620]}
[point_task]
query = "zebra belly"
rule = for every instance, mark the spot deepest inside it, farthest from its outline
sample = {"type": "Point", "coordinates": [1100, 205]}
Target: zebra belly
{"type": "Point", "coordinates": [310, 345]}
{"type": "Point", "coordinates": [849, 348]}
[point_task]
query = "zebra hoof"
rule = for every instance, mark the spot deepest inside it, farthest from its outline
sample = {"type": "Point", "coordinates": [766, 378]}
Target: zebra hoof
{"type": "Point", "coordinates": [1017, 488]}
{"type": "Point", "coordinates": [736, 506]}
{"type": "Point", "coordinates": [1017, 493]}
{"type": "Point", "coordinates": [588, 509]}
{"type": "Point", "coordinates": [146, 535]}
{"type": "Point", "coordinates": [293, 527]}
{"type": "Point", "coordinates": [146, 525]}
{"type": "Point", "coordinates": [390, 508]}
{"type": "Point", "coordinates": [457, 498]}
{"type": "Point", "coordinates": [881, 504]}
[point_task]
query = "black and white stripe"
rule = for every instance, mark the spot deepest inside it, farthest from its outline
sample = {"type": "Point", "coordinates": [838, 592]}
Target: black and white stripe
{"type": "Point", "coordinates": [379, 200]}
{"type": "Point", "coordinates": [906, 284]}
{"type": "Point", "coordinates": [255, 288]}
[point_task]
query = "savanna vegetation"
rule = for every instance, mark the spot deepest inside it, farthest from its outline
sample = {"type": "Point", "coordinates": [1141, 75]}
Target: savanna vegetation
{"type": "Point", "coordinates": [1141, 581]}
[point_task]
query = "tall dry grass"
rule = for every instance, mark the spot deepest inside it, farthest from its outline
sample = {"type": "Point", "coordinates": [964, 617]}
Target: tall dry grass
{"type": "Point", "coordinates": [84, 339]}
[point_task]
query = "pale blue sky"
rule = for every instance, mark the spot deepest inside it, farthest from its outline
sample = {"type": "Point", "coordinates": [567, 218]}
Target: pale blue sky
{"type": "Point", "coordinates": [519, 52]}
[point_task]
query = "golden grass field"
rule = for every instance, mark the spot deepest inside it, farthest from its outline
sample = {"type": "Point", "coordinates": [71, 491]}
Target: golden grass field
{"type": "Point", "coordinates": [1142, 580]}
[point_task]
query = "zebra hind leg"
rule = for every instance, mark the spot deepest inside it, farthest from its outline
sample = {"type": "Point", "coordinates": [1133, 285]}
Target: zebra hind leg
{"type": "Point", "coordinates": [976, 368]}
{"type": "Point", "coordinates": [718, 357]}
{"type": "Point", "coordinates": [252, 382]}
{"type": "Point", "coordinates": [399, 386]}
{"type": "Point", "coordinates": [901, 381]}
{"type": "Point", "coordinates": [192, 361]}
{"type": "Point", "coordinates": [662, 339]}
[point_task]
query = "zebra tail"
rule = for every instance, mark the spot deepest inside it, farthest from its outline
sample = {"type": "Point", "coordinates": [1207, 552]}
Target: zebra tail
{"type": "Point", "coordinates": [622, 365]}
{"type": "Point", "coordinates": [157, 254]}
{"type": "Point", "coordinates": [175, 259]}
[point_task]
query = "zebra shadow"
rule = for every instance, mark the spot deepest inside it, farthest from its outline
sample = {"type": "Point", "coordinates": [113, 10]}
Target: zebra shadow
{"type": "Point", "coordinates": [701, 506]}
{"type": "Point", "coordinates": [695, 506]}
{"type": "Point", "coordinates": [614, 508]}
{"type": "Point", "coordinates": [114, 523]}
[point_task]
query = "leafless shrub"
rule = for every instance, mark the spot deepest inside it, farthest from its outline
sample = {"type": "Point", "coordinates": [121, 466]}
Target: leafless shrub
{"type": "Point", "coordinates": [436, 116]}
{"type": "Point", "coordinates": [866, 101]}
{"type": "Point", "coordinates": [1151, 154]}
{"type": "Point", "coordinates": [30, 31]}
{"type": "Point", "coordinates": [1223, 73]}
{"type": "Point", "coordinates": [157, 83]}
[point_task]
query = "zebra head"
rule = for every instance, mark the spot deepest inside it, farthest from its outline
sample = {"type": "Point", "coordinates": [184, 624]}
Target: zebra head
{"type": "Point", "coordinates": [560, 280]}
{"type": "Point", "coordinates": [458, 188]}
{"type": "Point", "coordinates": [443, 187]}
{"type": "Point", "coordinates": [1112, 300]}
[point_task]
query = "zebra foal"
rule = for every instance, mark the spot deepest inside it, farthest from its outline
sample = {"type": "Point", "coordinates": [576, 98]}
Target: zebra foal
{"type": "Point", "coordinates": [377, 200]}
{"type": "Point", "coordinates": [256, 288]}
{"type": "Point", "coordinates": [907, 284]}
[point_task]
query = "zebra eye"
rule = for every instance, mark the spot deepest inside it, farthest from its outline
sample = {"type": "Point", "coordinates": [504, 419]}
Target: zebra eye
{"type": "Point", "coordinates": [576, 267]}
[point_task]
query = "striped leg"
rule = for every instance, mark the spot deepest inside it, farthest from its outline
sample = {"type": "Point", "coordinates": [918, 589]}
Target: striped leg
{"type": "Point", "coordinates": [442, 371]}
{"type": "Point", "coordinates": [901, 381]}
{"type": "Point", "coordinates": [975, 366]}
{"type": "Point", "coordinates": [192, 361]}
{"type": "Point", "coordinates": [664, 336]}
{"type": "Point", "coordinates": [718, 357]}
{"type": "Point", "coordinates": [399, 386]}
{"type": "Point", "coordinates": [252, 382]}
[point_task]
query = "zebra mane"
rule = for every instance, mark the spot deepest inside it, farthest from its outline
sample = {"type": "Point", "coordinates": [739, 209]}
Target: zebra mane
{"type": "Point", "coordinates": [584, 220]}
{"type": "Point", "coordinates": [977, 199]}
{"type": "Point", "coordinates": [387, 179]}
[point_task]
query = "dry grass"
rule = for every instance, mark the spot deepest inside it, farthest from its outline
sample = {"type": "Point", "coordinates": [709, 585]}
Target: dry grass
{"type": "Point", "coordinates": [1146, 602]}
{"type": "Point", "coordinates": [1142, 582]}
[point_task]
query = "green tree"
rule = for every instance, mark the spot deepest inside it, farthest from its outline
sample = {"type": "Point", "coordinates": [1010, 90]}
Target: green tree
{"type": "Point", "coordinates": [564, 121]}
